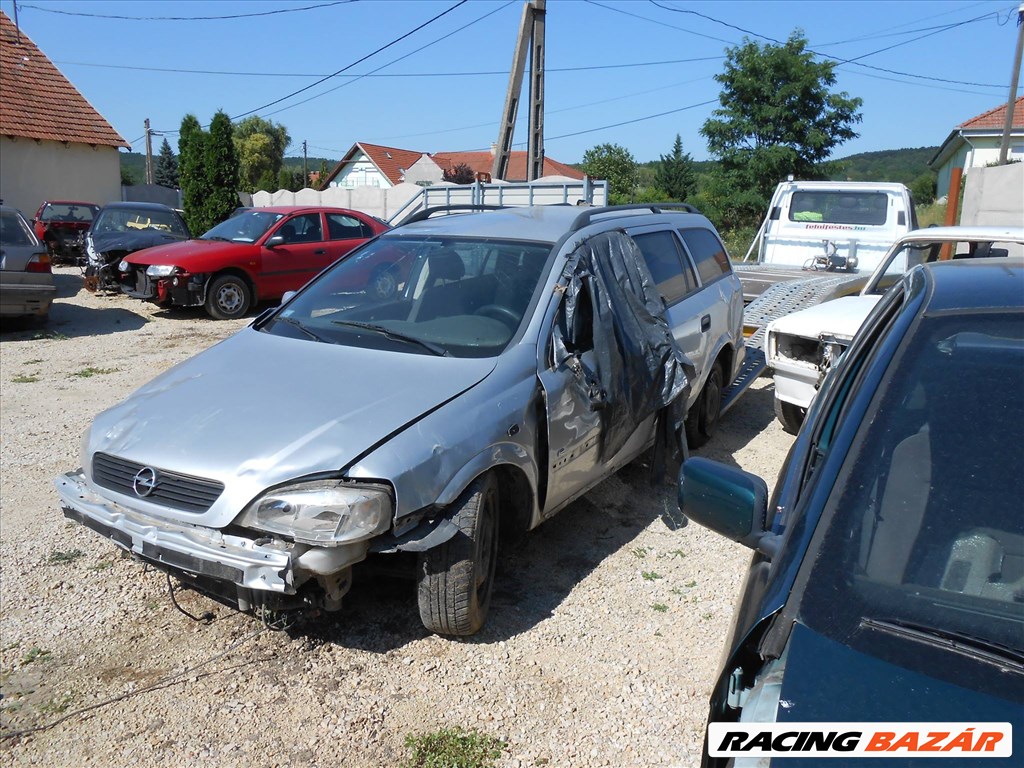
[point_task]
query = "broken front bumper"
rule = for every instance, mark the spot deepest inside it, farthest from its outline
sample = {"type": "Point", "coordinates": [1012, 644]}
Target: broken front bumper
{"type": "Point", "coordinates": [202, 552]}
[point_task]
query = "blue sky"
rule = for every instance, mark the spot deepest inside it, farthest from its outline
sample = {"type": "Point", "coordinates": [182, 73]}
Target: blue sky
{"type": "Point", "coordinates": [631, 72]}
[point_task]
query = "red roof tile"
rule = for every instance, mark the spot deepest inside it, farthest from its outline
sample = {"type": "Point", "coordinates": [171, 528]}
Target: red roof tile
{"type": "Point", "coordinates": [38, 102]}
{"type": "Point", "coordinates": [995, 118]}
{"type": "Point", "coordinates": [482, 162]}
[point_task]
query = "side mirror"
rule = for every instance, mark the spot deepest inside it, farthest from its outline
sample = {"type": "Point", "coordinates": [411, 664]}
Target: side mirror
{"type": "Point", "coordinates": [727, 500]}
{"type": "Point", "coordinates": [274, 241]}
{"type": "Point", "coordinates": [288, 296]}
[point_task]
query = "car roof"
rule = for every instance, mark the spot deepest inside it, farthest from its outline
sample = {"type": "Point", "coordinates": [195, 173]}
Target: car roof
{"type": "Point", "coordinates": [69, 202]}
{"type": "Point", "coordinates": [538, 223]}
{"type": "Point", "coordinates": [140, 206]}
{"type": "Point", "coordinates": [990, 233]}
{"type": "Point", "coordinates": [299, 208]}
{"type": "Point", "coordinates": [967, 284]}
{"type": "Point", "coordinates": [852, 186]}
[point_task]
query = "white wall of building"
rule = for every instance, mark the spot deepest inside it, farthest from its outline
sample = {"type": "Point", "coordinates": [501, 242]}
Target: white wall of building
{"type": "Point", "coordinates": [33, 171]}
{"type": "Point", "coordinates": [360, 172]}
{"type": "Point", "coordinates": [994, 196]}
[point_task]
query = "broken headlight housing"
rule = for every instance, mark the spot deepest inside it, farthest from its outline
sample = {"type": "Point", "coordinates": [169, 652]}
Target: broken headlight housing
{"type": "Point", "coordinates": [322, 512]}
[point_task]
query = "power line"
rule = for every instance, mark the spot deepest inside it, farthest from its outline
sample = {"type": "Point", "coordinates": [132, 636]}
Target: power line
{"type": "Point", "coordinates": [187, 18]}
{"type": "Point", "coordinates": [504, 73]}
{"type": "Point", "coordinates": [837, 59]}
{"type": "Point", "coordinates": [354, 63]}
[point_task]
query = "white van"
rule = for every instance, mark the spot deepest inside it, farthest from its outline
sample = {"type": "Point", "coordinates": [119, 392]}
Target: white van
{"type": "Point", "coordinates": [860, 219]}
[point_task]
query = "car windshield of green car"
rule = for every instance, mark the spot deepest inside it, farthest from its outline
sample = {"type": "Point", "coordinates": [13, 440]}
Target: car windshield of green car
{"type": "Point", "coordinates": [462, 297]}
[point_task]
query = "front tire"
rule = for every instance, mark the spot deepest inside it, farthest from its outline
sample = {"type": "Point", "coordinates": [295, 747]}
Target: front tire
{"type": "Point", "coordinates": [228, 297]}
{"type": "Point", "coordinates": [702, 420]}
{"type": "Point", "coordinates": [454, 580]}
{"type": "Point", "coordinates": [789, 415]}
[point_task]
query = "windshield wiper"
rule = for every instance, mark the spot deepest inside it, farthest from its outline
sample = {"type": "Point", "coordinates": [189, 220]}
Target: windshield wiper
{"type": "Point", "coordinates": [216, 237]}
{"type": "Point", "coordinates": [429, 346]}
{"type": "Point", "coordinates": [312, 334]}
{"type": "Point", "coordinates": [951, 639]}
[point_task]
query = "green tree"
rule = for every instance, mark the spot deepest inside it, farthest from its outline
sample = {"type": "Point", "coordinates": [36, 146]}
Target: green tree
{"type": "Point", "coordinates": [777, 116]}
{"type": "Point", "coordinates": [459, 174]}
{"type": "Point", "coordinates": [192, 141]}
{"type": "Point", "coordinates": [675, 173]}
{"type": "Point", "coordinates": [614, 164]}
{"type": "Point", "coordinates": [166, 171]}
{"type": "Point", "coordinates": [260, 145]}
{"type": "Point", "coordinates": [222, 167]}
{"type": "Point", "coordinates": [923, 188]}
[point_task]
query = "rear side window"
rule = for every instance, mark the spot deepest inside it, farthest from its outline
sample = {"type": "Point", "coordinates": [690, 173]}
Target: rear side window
{"type": "Point", "coordinates": [342, 227]}
{"type": "Point", "coordinates": [839, 207]}
{"type": "Point", "coordinates": [661, 252]}
{"type": "Point", "coordinates": [708, 254]}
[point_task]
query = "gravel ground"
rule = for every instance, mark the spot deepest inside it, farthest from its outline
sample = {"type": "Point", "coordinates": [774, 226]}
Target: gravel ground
{"type": "Point", "coordinates": [605, 630]}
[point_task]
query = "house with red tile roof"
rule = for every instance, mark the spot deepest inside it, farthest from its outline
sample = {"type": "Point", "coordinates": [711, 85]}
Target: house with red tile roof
{"type": "Point", "coordinates": [975, 143]}
{"type": "Point", "coordinates": [374, 165]}
{"type": "Point", "coordinates": [53, 142]}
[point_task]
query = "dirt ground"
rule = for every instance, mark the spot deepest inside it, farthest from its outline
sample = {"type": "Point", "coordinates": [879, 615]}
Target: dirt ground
{"type": "Point", "coordinates": [605, 630]}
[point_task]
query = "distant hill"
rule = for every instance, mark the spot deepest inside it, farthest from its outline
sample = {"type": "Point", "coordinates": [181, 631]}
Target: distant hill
{"type": "Point", "coordinates": [899, 165]}
{"type": "Point", "coordinates": [134, 163]}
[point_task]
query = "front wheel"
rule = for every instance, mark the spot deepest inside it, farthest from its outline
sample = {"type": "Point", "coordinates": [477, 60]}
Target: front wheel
{"type": "Point", "coordinates": [228, 297]}
{"type": "Point", "coordinates": [702, 420]}
{"type": "Point", "coordinates": [454, 579]}
{"type": "Point", "coordinates": [789, 415]}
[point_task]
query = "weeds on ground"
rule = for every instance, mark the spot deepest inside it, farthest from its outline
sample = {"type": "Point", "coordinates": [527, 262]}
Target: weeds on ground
{"type": "Point", "coordinates": [56, 705]}
{"type": "Point", "coordinates": [85, 373]}
{"type": "Point", "coordinates": [55, 335]}
{"type": "Point", "coordinates": [34, 654]}
{"type": "Point", "coordinates": [59, 557]}
{"type": "Point", "coordinates": [639, 552]}
{"type": "Point", "coordinates": [452, 748]}
{"type": "Point", "coordinates": [651, 575]}
{"type": "Point", "coordinates": [659, 607]}
{"type": "Point", "coordinates": [33, 362]}
{"type": "Point", "coordinates": [30, 379]}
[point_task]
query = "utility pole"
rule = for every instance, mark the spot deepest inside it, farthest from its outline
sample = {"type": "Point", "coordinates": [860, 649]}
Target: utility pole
{"type": "Point", "coordinates": [1004, 145]}
{"type": "Point", "coordinates": [530, 41]}
{"type": "Point", "coordinates": [149, 153]}
{"type": "Point", "coordinates": [305, 170]}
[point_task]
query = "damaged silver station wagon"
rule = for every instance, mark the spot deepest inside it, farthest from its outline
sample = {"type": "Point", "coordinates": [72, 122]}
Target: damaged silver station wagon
{"type": "Point", "coordinates": [526, 355]}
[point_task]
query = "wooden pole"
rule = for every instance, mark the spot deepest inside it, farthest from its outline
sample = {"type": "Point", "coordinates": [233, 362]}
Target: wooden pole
{"type": "Point", "coordinates": [952, 209]}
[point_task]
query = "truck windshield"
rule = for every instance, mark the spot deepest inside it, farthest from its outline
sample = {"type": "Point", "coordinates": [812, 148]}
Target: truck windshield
{"type": "Point", "coordinates": [834, 207]}
{"type": "Point", "coordinates": [924, 523]}
{"type": "Point", "coordinates": [463, 297]}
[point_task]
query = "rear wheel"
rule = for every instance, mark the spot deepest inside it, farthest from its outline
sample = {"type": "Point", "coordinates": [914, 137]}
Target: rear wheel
{"type": "Point", "coordinates": [228, 297]}
{"type": "Point", "coordinates": [702, 420]}
{"type": "Point", "coordinates": [789, 415]}
{"type": "Point", "coordinates": [454, 580]}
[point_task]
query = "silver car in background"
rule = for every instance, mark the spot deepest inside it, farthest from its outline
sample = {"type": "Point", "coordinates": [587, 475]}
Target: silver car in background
{"type": "Point", "coordinates": [526, 355]}
{"type": "Point", "coordinates": [26, 278]}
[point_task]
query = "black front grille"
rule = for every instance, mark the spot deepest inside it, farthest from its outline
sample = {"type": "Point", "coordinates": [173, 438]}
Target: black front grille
{"type": "Point", "coordinates": [189, 494]}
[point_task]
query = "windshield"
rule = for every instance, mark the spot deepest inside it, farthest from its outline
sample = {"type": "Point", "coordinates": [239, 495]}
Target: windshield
{"type": "Point", "coordinates": [925, 521]}
{"type": "Point", "coordinates": [247, 227]}
{"type": "Point", "coordinates": [909, 255]}
{"type": "Point", "coordinates": [68, 212]}
{"type": "Point", "coordinates": [138, 220]}
{"type": "Point", "coordinates": [422, 295]}
{"type": "Point", "coordinates": [833, 207]}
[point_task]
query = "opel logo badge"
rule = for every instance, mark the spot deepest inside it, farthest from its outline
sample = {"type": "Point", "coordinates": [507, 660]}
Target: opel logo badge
{"type": "Point", "coordinates": [144, 482]}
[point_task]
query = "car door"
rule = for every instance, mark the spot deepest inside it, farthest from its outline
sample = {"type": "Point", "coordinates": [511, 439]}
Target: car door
{"type": "Point", "coordinates": [573, 422]}
{"type": "Point", "coordinates": [291, 264]}
{"type": "Point", "coordinates": [688, 311]}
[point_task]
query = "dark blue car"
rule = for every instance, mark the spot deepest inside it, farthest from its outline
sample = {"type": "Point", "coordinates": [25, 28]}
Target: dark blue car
{"type": "Point", "coordinates": [887, 584]}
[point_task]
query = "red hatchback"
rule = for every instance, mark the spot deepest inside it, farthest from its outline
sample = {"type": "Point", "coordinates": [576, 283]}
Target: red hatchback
{"type": "Point", "coordinates": [254, 256]}
{"type": "Point", "coordinates": [61, 224]}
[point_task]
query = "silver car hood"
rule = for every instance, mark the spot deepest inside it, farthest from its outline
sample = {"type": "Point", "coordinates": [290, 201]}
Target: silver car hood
{"type": "Point", "coordinates": [258, 410]}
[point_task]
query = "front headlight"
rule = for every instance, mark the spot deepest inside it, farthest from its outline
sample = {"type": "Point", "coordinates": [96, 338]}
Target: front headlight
{"type": "Point", "coordinates": [324, 512]}
{"type": "Point", "coordinates": [161, 270]}
{"type": "Point", "coordinates": [123, 266]}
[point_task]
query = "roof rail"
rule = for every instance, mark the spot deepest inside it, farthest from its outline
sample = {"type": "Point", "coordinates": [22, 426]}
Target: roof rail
{"type": "Point", "coordinates": [426, 213]}
{"type": "Point", "coordinates": [587, 216]}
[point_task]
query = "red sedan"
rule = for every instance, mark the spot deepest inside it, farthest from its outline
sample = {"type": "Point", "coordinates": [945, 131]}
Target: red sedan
{"type": "Point", "coordinates": [254, 256]}
{"type": "Point", "coordinates": [60, 224]}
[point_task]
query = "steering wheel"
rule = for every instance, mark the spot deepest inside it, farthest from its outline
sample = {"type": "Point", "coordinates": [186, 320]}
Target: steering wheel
{"type": "Point", "coordinates": [503, 314]}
